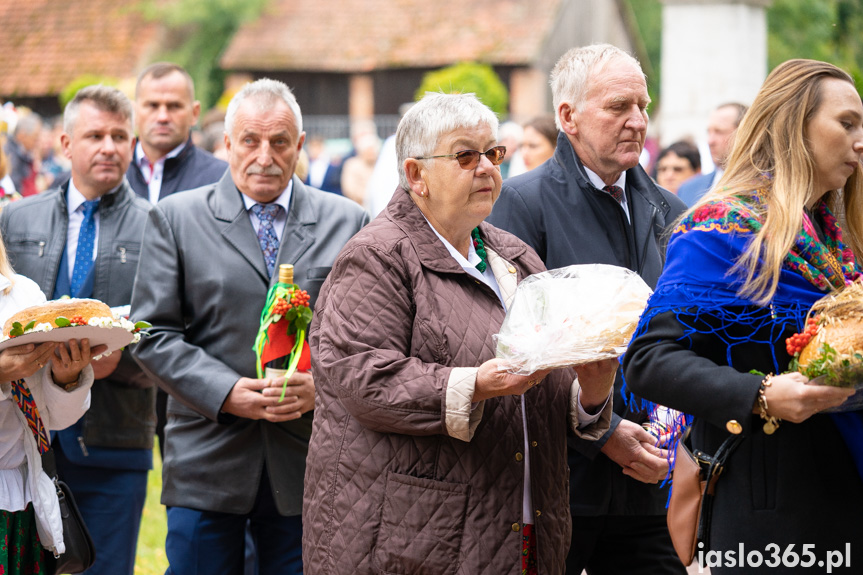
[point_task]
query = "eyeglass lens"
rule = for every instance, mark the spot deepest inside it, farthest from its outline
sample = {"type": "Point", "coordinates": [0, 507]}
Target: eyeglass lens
{"type": "Point", "coordinates": [468, 159]}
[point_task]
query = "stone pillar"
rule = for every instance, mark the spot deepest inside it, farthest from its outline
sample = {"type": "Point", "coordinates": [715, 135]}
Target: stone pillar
{"type": "Point", "coordinates": [528, 94]}
{"type": "Point", "coordinates": [713, 51]}
{"type": "Point", "coordinates": [361, 97]}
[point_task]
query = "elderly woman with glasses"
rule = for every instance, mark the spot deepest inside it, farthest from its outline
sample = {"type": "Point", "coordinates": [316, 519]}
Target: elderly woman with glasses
{"type": "Point", "coordinates": [426, 455]}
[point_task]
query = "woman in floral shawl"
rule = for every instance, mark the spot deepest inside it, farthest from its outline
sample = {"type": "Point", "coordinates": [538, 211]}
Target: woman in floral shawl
{"type": "Point", "coordinates": [743, 267]}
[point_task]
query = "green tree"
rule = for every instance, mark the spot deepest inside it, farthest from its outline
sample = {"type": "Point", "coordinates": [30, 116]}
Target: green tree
{"type": "Point", "coordinates": [826, 30]}
{"type": "Point", "coordinates": [82, 81]}
{"type": "Point", "coordinates": [199, 32]}
{"type": "Point", "coordinates": [648, 18]}
{"type": "Point", "coordinates": [468, 77]}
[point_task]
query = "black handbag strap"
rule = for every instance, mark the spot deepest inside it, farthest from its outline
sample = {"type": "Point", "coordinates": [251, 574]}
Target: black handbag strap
{"type": "Point", "coordinates": [715, 467]}
{"type": "Point", "coordinates": [49, 465]}
{"type": "Point", "coordinates": [717, 464]}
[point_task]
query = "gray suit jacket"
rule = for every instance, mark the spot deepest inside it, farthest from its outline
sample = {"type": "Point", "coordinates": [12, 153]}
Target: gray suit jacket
{"type": "Point", "coordinates": [121, 413]}
{"type": "Point", "coordinates": [202, 283]}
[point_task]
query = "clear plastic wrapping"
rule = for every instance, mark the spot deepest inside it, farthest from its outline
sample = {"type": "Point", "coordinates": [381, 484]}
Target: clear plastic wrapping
{"type": "Point", "coordinates": [571, 316]}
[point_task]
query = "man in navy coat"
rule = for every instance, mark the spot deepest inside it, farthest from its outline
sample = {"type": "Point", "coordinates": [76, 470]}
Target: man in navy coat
{"type": "Point", "coordinates": [593, 203]}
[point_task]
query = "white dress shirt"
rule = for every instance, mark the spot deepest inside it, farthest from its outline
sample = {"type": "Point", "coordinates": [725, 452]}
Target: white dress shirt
{"type": "Point", "coordinates": [75, 210]}
{"type": "Point", "coordinates": [153, 172]}
{"type": "Point", "coordinates": [621, 183]}
{"type": "Point", "coordinates": [279, 222]}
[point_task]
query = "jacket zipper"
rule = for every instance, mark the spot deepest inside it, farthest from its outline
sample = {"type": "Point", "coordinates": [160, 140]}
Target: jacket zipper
{"type": "Point", "coordinates": [646, 245]}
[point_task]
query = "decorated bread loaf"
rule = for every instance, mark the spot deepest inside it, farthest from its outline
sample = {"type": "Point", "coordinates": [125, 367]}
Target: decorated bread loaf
{"type": "Point", "coordinates": [74, 311]}
{"type": "Point", "coordinates": [831, 345]}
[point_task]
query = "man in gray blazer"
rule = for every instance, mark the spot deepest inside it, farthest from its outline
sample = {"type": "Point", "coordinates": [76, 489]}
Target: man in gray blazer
{"type": "Point", "coordinates": [233, 451]}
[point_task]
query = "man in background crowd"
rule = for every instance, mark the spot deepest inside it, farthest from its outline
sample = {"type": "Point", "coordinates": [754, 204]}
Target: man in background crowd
{"type": "Point", "coordinates": [677, 163]}
{"type": "Point", "coordinates": [22, 149]}
{"type": "Point", "coordinates": [166, 161]}
{"type": "Point", "coordinates": [721, 126]}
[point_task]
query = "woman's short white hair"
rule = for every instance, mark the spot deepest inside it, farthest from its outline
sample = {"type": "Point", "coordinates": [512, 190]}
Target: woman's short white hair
{"type": "Point", "coordinates": [264, 92]}
{"type": "Point", "coordinates": [436, 115]}
{"type": "Point", "coordinates": [571, 74]}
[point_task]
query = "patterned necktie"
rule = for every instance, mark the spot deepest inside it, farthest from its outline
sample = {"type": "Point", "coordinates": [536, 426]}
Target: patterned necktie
{"type": "Point", "coordinates": [24, 399]}
{"type": "Point", "coordinates": [86, 240]}
{"type": "Point", "coordinates": [615, 192]}
{"type": "Point", "coordinates": [267, 233]}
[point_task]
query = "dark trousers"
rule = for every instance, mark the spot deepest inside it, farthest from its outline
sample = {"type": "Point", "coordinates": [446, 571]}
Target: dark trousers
{"type": "Point", "coordinates": [111, 502]}
{"type": "Point", "coordinates": [618, 544]}
{"type": "Point", "coordinates": [161, 420]}
{"type": "Point", "coordinates": [214, 543]}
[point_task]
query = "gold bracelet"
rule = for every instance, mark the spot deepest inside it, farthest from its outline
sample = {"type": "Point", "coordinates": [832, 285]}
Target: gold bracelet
{"type": "Point", "coordinates": [771, 423]}
{"type": "Point", "coordinates": [68, 386]}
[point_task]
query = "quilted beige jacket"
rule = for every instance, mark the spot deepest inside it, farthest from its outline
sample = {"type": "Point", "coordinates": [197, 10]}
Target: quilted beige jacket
{"type": "Point", "coordinates": [404, 475]}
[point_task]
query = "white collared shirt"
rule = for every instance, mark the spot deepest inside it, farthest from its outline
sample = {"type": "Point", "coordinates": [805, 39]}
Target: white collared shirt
{"type": "Point", "coordinates": [75, 211]}
{"type": "Point", "coordinates": [487, 277]}
{"type": "Point", "coordinates": [717, 175]}
{"type": "Point", "coordinates": [469, 264]}
{"type": "Point", "coordinates": [621, 183]}
{"type": "Point", "coordinates": [279, 222]}
{"type": "Point", "coordinates": [153, 172]}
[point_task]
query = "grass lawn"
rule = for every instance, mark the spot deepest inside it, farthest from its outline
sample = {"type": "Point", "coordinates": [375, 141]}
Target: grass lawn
{"type": "Point", "coordinates": [150, 559]}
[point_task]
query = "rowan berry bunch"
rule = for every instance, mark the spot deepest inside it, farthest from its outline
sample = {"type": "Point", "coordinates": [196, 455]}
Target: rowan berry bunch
{"type": "Point", "coordinates": [77, 320]}
{"type": "Point", "coordinates": [281, 306]}
{"type": "Point", "coordinates": [795, 344]}
{"type": "Point", "coordinates": [300, 298]}
{"type": "Point", "coordinates": [293, 299]}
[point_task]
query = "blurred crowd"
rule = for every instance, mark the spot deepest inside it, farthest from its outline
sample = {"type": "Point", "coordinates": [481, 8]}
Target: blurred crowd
{"type": "Point", "coordinates": [32, 158]}
{"type": "Point", "coordinates": [408, 447]}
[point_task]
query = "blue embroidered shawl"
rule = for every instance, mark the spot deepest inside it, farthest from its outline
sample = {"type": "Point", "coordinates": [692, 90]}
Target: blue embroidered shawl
{"type": "Point", "coordinates": [698, 279]}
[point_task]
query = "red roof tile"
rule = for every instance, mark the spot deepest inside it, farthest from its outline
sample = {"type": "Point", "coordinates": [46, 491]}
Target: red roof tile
{"type": "Point", "coordinates": [48, 43]}
{"type": "Point", "coordinates": [364, 35]}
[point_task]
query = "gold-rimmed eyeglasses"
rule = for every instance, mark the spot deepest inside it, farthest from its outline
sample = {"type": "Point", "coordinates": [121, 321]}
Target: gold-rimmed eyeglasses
{"type": "Point", "coordinates": [468, 159]}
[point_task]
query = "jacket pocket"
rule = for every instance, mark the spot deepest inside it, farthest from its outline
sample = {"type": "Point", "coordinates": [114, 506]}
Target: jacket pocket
{"type": "Point", "coordinates": [319, 274]}
{"type": "Point", "coordinates": [422, 522]}
{"type": "Point", "coordinates": [28, 246]}
{"type": "Point", "coordinates": [120, 417]}
{"type": "Point", "coordinates": [763, 471]}
{"type": "Point", "coordinates": [126, 253]}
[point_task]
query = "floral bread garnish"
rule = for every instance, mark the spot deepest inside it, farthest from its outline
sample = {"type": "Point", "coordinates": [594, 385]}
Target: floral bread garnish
{"type": "Point", "coordinates": [135, 328]}
{"type": "Point", "coordinates": [831, 345]}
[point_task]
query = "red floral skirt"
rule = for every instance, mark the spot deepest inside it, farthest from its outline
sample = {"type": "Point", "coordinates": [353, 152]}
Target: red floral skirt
{"type": "Point", "coordinates": [21, 553]}
{"type": "Point", "coordinates": [528, 550]}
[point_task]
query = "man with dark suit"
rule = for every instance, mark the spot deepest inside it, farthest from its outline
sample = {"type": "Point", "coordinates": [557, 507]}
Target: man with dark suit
{"type": "Point", "coordinates": [721, 125]}
{"type": "Point", "coordinates": [83, 240]}
{"type": "Point", "coordinates": [593, 203]}
{"type": "Point", "coordinates": [166, 160]}
{"type": "Point", "coordinates": [234, 452]}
